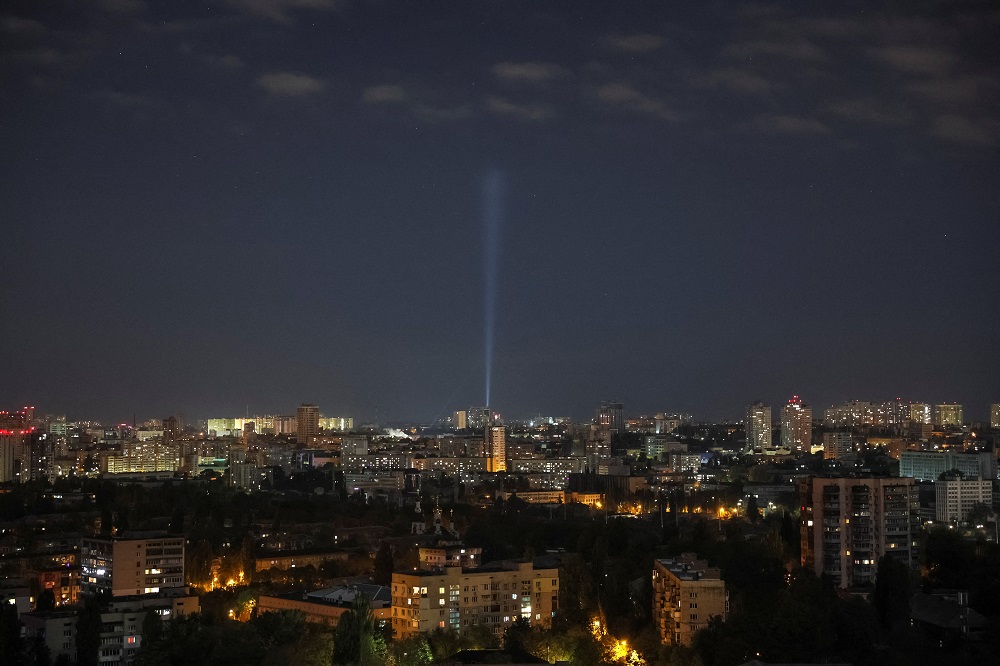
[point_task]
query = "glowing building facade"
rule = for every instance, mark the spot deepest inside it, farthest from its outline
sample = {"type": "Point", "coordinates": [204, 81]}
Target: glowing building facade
{"type": "Point", "coordinates": [493, 596]}
{"type": "Point", "coordinates": [758, 427]}
{"type": "Point", "coordinates": [796, 425]}
{"type": "Point", "coordinates": [949, 416]}
{"type": "Point", "coordinates": [920, 413]}
{"type": "Point", "coordinates": [496, 449]}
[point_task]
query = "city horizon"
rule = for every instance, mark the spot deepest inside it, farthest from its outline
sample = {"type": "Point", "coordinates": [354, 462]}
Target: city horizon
{"type": "Point", "coordinates": [974, 412]}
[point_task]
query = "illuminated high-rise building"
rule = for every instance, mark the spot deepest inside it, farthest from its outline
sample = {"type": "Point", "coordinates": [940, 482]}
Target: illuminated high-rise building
{"type": "Point", "coordinates": [995, 415]}
{"type": "Point", "coordinates": [306, 423]}
{"type": "Point", "coordinates": [895, 412]}
{"type": "Point", "coordinates": [496, 449]}
{"type": "Point", "coordinates": [920, 413]}
{"type": "Point", "coordinates": [796, 425]}
{"type": "Point", "coordinates": [15, 444]}
{"type": "Point", "coordinates": [460, 420]}
{"type": "Point", "coordinates": [611, 415]}
{"type": "Point", "coordinates": [480, 418]}
{"type": "Point", "coordinates": [948, 415]}
{"type": "Point", "coordinates": [758, 426]}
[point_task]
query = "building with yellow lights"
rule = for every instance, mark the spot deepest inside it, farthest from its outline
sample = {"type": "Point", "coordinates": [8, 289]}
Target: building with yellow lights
{"type": "Point", "coordinates": [687, 594]}
{"type": "Point", "coordinates": [949, 415]}
{"type": "Point", "coordinates": [493, 596]}
{"type": "Point", "coordinates": [135, 564]}
{"type": "Point", "coordinates": [496, 449]}
{"type": "Point", "coordinates": [796, 425]}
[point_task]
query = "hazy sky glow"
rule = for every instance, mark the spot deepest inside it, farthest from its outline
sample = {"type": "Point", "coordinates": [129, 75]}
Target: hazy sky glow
{"type": "Point", "coordinates": [276, 201]}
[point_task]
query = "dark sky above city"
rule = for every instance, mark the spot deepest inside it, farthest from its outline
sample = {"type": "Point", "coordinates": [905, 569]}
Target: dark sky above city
{"type": "Point", "coordinates": [248, 204]}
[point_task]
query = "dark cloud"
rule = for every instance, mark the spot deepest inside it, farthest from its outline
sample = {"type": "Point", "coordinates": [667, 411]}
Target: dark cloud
{"type": "Point", "coordinates": [962, 130]}
{"type": "Point", "coordinates": [21, 27]}
{"type": "Point", "coordinates": [385, 93]}
{"type": "Point", "coordinates": [290, 84]}
{"type": "Point", "coordinates": [528, 72]}
{"type": "Point", "coordinates": [281, 11]}
{"type": "Point", "coordinates": [786, 124]}
{"type": "Point", "coordinates": [965, 89]}
{"type": "Point", "coordinates": [798, 49]}
{"type": "Point", "coordinates": [525, 112]}
{"type": "Point", "coordinates": [873, 111]}
{"type": "Point", "coordinates": [736, 80]}
{"type": "Point", "coordinates": [916, 59]}
{"type": "Point", "coordinates": [123, 6]}
{"type": "Point", "coordinates": [624, 95]}
{"type": "Point", "coordinates": [637, 43]}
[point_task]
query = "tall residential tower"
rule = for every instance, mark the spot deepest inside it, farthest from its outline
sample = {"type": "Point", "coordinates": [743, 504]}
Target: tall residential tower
{"type": "Point", "coordinates": [758, 426]}
{"type": "Point", "coordinates": [796, 425]}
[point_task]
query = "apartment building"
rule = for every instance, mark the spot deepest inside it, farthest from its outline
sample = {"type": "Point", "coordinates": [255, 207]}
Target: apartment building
{"type": "Point", "coordinates": [493, 596]}
{"type": "Point", "coordinates": [136, 563]}
{"type": "Point", "coordinates": [847, 524]}
{"type": "Point", "coordinates": [687, 594]}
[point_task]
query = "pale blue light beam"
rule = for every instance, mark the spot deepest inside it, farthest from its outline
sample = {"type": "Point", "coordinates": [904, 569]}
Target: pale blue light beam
{"type": "Point", "coordinates": [492, 191]}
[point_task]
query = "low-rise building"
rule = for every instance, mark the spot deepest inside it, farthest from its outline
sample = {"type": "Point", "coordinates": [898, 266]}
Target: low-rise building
{"type": "Point", "coordinates": [492, 596]}
{"type": "Point", "coordinates": [327, 605]}
{"type": "Point", "coordinates": [56, 628]}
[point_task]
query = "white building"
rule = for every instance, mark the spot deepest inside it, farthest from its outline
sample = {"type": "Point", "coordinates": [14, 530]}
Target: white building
{"type": "Point", "coordinates": [956, 497]}
{"type": "Point", "coordinates": [929, 465]}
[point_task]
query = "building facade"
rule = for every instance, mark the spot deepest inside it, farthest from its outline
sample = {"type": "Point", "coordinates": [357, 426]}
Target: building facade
{"type": "Point", "coordinates": [930, 465]}
{"type": "Point", "coordinates": [493, 596]}
{"type": "Point", "coordinates": [837, 445]}
{"type": "Point", "coordinates": [920, 413]}
{"type": "Point", "coordinates": [496, 449]}
{"type": "Point", "coordinates": [949, 416]}
{"type": "Point", "coordinates": [955, 497]}
{"type": "Point", "coordinates": [687, 594]}
{"type": "Point", "coordinates": [758, 427]}
{"type": "Point", "coordinates": [796, 425]}
{"type": "Point", "coordinates": [131, 565]}
{"type": "Point", "coordinates": [848, 524]}
{"type": "Point", "coordinates": [306, 423]}
{"type": "Point", "coordinates": [611, 415]}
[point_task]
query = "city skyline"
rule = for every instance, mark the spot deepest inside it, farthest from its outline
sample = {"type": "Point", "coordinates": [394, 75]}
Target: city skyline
{"type": "Point", "coordinates": [830, 414]}
{"type": "Point", "coordinates": [267, 203]}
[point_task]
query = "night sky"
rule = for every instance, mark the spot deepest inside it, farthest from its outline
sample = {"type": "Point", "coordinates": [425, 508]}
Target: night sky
{"type": "Point", "coordinates": [257, 203]}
